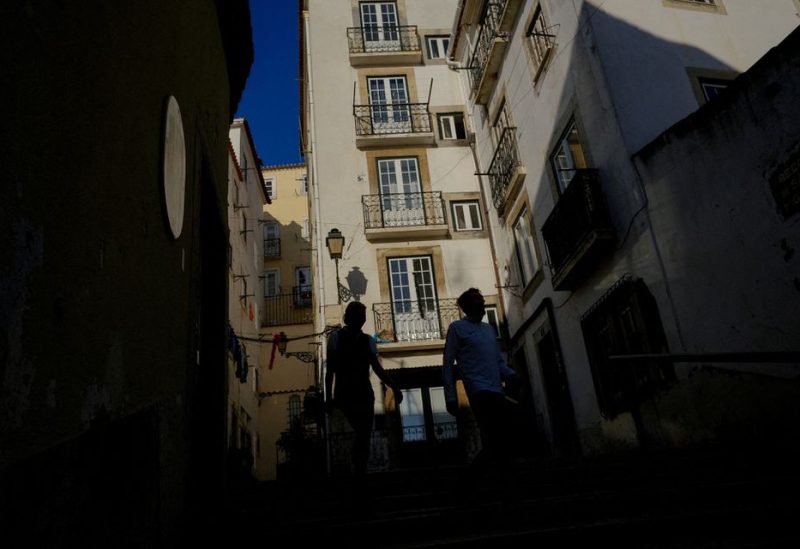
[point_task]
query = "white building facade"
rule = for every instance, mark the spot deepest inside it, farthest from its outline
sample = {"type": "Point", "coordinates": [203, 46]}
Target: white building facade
{"type": "Point", "coordinates": [387, 143]}
{"type": "Point", "coordinates": [561, 96]}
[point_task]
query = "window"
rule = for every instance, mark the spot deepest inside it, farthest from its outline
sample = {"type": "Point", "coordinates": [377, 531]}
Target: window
{"type": "Point", "coordinates": [437, 46]}
{"type": "Point", "coordinates": [540, 42]}
{"type": "Point", "coordinates": [379, 22]}
{"type": "Point", "coordinates": [389, 104]}
{"type": "Point", "coordinates": [492, 320]}
{"type": "Point", "coordinates": [271, 187]}
{"type": "Point", "coordinates": [527, 259]}
{"type": "Point", "coordinates": [304, 183]}
{"type": "Point", "coordinates": [415, 307]}
{"type": "Point", "coordinates": [304, 232]}
{"type": "Point", "coordinates": [625, 321]}
{"type": "Point", "coordinates": [302, 287]}
{"type": "Point", "coordinates": [568, 157]}
{"type": "Point", "coordinates": [467, 216]}
{"type": "Point", "coordinates": [295, 410]}
{"type": "Point", "coordinates": [272, 282]}
{"type": "Point", "coordinates": [400, 191]}
{"type": "Point", "coordinates": [244, 230]}
{"type": "Point", "coordinates": [412, 415]}
{"type": "Point", "coordinates": [502, 122]}
{"type": "Point", "coordinates": [712, 87]}
{"type": "Point", "coordinates": [451, 126]}
{"type": "Point", "coordinates": [272, 239]}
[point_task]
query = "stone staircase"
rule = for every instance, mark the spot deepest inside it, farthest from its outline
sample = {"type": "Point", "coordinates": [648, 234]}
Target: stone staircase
{"type": "Point", "coordinates": [678, 499]}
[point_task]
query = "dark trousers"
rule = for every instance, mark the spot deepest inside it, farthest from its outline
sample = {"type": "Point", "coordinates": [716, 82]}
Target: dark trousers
{"type": "Point", "coordinates": [359, 414]}
{"type": "Point", "coordinates": [493, 415]}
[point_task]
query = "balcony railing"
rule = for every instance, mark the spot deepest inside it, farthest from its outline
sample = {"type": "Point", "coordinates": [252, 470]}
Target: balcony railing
{"type": "Point", "coordinates": [272, 248]}
{"type": "Point", "coordinates": [392, 119]}
{"type": "Point", "coordinates": [403, 210]}
{"type": "Point", "coordinates": [420, 320]}
{"type": "Point", "coordinates": [490, 28]}
{"type": "Point", "coordinates": [577, 224]}
{"type": "Point", "coordinates": [504, 167]}
{"type": "Point", "coordinates": [302, 296]}
{"type": "Point", "coordinates": [383, 39]}
{"type": "Point", "coordinates": [283, 309]}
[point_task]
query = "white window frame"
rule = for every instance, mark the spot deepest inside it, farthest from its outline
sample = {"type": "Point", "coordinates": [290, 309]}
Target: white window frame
{"type": "Point", "coordinates": [528, 262]}
{"type": "Point", "coordinates": [492, 319]}
{"type": "Point", "coordinates": [271, 186]}
{"type": "Point", "coordinates": [467, 207]}
{"type": "Point", "coordinates": [303, 184]}
{"type": "Point", "coordinates": [304, 231]}
{"type": "Point", "coordinates": [385, 28]}
{"type": "Point", "coordinates": [448, 125]}
{"type": "Point", "coordinates": [276, 274]}
{"type": "Point", "coordinates": [440, 42]}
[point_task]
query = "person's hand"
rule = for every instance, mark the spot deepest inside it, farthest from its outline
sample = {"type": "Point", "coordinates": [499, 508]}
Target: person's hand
{"type": "Point", "coordinates": [398, 394]}
{"type": "Point", "coordinates": [452, 407]}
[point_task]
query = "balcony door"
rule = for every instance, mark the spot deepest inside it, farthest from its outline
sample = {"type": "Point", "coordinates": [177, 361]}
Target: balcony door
{"type": "Point", "coordinates": [414, 305]}
{"type": "Point", "coordinates": [401, 194]}
{"type": "Point", "coordinates": [302, 287]}
{"type": "Point", "coordinates": [389, 107]}
{"type": "Point", "coordinates": [379, 24]}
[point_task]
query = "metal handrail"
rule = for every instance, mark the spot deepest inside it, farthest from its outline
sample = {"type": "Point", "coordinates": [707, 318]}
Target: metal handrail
{"type": "Point", "coordinates": [388, 39]}
{"type": "Point", "coordinates": [282, 309]}
{"type": "Point", "coordinates": [580, 211]}
{"type": "Point", "coordinates": [483, 46]}
{"type": "Point", "coordinates": [505, 161]}
{"type": "Point", "coordinates": [392, 118]}
{"type": "Point", "coordinates": [403, 209]}
{"type": "Point", "coordinates": [420, 320]}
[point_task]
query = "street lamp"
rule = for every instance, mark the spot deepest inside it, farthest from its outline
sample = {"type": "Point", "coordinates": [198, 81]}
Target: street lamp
{"type": "Point", "coordinates": [335, 244]}
{"type": "Point", "coordinates": [304, 356]}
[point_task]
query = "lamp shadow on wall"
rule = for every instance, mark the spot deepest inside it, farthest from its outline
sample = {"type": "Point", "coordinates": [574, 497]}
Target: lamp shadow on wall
{"type": "Point", "coordinates": [356, 283]}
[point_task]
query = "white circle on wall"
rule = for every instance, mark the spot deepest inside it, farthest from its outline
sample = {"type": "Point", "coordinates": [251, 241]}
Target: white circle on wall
{"type": "Point", "coordinates": [174, 167]}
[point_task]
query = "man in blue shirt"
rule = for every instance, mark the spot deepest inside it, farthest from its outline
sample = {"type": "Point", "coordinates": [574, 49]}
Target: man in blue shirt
{"type": "Point", "coordinates": [472, 347]}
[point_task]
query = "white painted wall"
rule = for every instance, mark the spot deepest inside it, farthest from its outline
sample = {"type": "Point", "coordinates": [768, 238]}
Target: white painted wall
{"type": "Point", "coordinates": [620, 67]}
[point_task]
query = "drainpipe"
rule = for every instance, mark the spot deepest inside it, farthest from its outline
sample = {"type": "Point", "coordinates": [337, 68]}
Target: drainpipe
{"type": "Point", "coordinates": [317, 233]}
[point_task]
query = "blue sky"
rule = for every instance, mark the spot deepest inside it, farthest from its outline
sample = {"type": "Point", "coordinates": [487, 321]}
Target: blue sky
{"type": "Point", "coordinates": [270, 99]}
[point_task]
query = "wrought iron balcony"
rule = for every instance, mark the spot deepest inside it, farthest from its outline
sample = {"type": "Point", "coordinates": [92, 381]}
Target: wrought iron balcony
{"type": "Point", "coordinates": [488, 53]}
{"type": "Point", "coordinates": [506, 172]}
{"type": "Point", "coordinates": [272, 248]}
{"type": "Point", "coordinates": [384, 44]}
{"type": "Point", "coordinates": [400, 123]}
{"type": "Point", "coordinates": [302, 296]}
{"type": "Point", "coordinates": [409, 321]}
{"type": "Point", "coordinates": [406, 213]}
{"type": "Point", "coordinates": [283, 309]}
{"type": "Point", "coordinates": [578, 229]}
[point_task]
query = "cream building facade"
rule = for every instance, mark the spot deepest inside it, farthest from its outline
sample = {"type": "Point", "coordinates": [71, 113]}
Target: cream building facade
{"type": "Point", "coordinates": [286, 294]}
{"type": "Point", "coordinates": [246, 199]}
{"type": "Point", "coordinates": [561, 96]}
{"type": "Point", "coordinates": [387, 141]}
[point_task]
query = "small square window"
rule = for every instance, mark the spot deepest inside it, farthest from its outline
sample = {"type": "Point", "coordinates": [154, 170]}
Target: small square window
{"type": "Point", "coordinates": [712, 87]}
{"type": "Point", "coordinates": [492, 320]}
{"type": "Point", "coordinates": [271, 187]}
{"type": "Point", "coordinates": [437, 46]}
{"type": "Point", "coordinates": [304, 184]}
{"type": "Point", "coordinates": [467, 216]}
{"type": "Point", "coordinates": [451, 126]}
